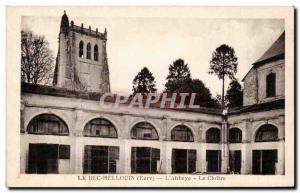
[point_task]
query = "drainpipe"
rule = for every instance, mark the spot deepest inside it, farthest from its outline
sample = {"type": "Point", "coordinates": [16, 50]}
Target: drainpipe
{"type": "Point", "coordinates": [224, 143]}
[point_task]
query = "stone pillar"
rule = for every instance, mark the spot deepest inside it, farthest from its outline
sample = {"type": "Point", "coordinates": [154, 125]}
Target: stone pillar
{"type": "Point", "coordinates": [199, 158]}
{"type": "Point", "coordinates": [167, 146]}
{"type": "Point", "coordinates": [23, 153]}
{"type": "Point", "coordinates": [75, 131]}
{"type": "Point", "coordinates": [163, 158]}
{"type": "Point", "coordinates": [168, 159]}
{"type": "Point", "coordinates": [127, 157]}
{"type": "Point", "coordinates": [123, 150]}
{"type": "Point", "coordinates": [246, 159]}
{"type": "Point", "coordinates": [22, 114]}
{"type": "Point", "coordinates": [224, 148]}
{"type": "Point", "coordinates": [280, 169]}
{"type": "Point", "coordinates": [248, 147]}
{"type": "Point", "coordinates": [162, 168]}
{"type": "Point", "coordinates": [203, 158]}
{"type": "Point", "coordinates": [79, 155]}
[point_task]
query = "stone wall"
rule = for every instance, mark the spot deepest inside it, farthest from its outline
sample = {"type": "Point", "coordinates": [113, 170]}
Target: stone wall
{"type": "Point", "coordinates": [249, 123]}
{"type": "Point", "coordinates": [255, 83]}
{"type": "Point", "coordinates": [82, 73]}
{"type": "Point", "coordinates": [78, 112]}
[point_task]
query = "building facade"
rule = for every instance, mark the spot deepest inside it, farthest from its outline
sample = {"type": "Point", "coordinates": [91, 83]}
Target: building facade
{"type": "Point", "coordinates": [65, 130]}
{"type": "Point", "coordinates": [81, 62]}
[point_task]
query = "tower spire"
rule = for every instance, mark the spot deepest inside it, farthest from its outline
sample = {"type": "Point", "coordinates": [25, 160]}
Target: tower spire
{"type": "Point", "coordinates": [64, 24]}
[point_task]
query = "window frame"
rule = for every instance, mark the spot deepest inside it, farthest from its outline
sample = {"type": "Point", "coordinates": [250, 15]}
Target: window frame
{"type": "Point", "coordinates": [144, 126]}
{"type": "Point", "coordinates": [263, 129]}
{"type": "Point", "coordinates": [210, 138]}
{"type": "Point", "coordinates": [39, 125]}
{"type": "Point", "coordinates": [96, 53]}
{"type": "Point", "coordinates": [239, 132]}
{"type": "Point", "coordinates": [182, 129]}
{"type": "Point", "coordinates": [88, 51]}
{"type": "Point", "coordinates": [90, 129]}
{"type": "Point", "coordinates": [81, 49]}
{"type": "Point", "coordinates": [271, 85]}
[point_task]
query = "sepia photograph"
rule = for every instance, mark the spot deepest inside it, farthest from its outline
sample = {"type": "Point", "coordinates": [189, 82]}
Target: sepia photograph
{"type": "Point", "coordinates": [150, 96]}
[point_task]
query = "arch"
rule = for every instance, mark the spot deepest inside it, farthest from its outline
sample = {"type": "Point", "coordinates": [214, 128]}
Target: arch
{"type": "Point", "coordinates": [271, 85]}
{"type": "Point", "coordinates": [81, 48]}
{"type": "Point", "coordinates": [213, 135]}
{"type": "Point", "coordinates": [266, 133]}
{"type": "Point", "coordinates": [113, 122]}
{"type": "Point", "coordinates": [182, 133]}
{"type": "Point", "coordinates": [88, 51]}
{"type": "Point", "coordinates": [96, 53]}
{"type": "Point", "coordinates": [144, 131]}
{"type": "Point", "coordinates": [185, 124]}
{"type": "Point", "coordinates": [47, 124]}
{"type": "Point", "coordinates": [100, 127]}
{"type": "Point", "coordinates": [235, 135]}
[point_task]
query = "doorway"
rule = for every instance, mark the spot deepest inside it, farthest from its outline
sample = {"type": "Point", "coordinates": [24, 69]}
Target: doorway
{"type": "Point", "coordinates": [144, 160]}
{"type": "Point", "coordinates": [184, 160]}
{"type": "Point", "coordinates": [100, 159]}
{"type": "Point", "coordinates": [213, 159]}
{"type": "Point", "coordinates": [264, 162]}
{"type": "Point", "coordinates": [235, 158]}
{"type": "Point", "coordinates": [43, 159]}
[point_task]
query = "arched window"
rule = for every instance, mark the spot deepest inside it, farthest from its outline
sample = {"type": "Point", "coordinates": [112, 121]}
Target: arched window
{"type": "Point", "coordinates": [213, 135]}
{"type": "Point", "coordinates": [235, 135]}
{"type": "Point", "coordinates": [81, 45]}
{"type": "Point", "coordinates": [266, 132]}
{"type": "Point", "coordinates": [144, 131]}
{"type": "Point", "coordinates": [96, 52]}
{"type": "Point", "coordinates": [271, 85]}
{"type": "Point", "coordinates": [47, 124]}
{"type": "Point", "coordinates": [182, 133]}
{"type": "Point", "coordinates": [88, 51]}
{"type": "Point", "coordinates": [100, 127]}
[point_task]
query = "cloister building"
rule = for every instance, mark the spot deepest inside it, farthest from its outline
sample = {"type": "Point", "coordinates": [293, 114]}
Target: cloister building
{"type": "Point", "coordinates": [65, 130]}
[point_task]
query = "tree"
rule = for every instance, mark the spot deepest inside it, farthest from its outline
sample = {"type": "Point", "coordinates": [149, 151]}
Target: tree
{"type": "Point", "coordinates": [234, 94]}
{"type": "Point", "coordinates": [37, 62]}
{"type": "Point", "coordinates": [144, 82]}
{"type": "Point", "coordinates": [218, 100]}
{"type": "Point", "coordinates": [223, 63]}
{"type": "Point", "coordinates": [179, 73]}
{"type": "Point", "coordinates": [203, 95]}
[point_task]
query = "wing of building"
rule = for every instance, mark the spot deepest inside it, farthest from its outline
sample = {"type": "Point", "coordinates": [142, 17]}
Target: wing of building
{"type": "Point", "coordinates": [65, 130]}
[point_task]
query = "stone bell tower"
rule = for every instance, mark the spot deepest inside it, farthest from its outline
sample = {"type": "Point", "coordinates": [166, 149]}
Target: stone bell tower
{"type": "Point", "coordinates": [81, 62]}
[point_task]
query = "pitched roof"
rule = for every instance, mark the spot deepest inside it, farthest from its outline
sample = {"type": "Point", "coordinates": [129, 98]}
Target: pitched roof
{"type": "Point", "coordinates": [95, 96]}
{"type": "Point", "coordinates": [275, 51]}
{"type": "Point", "coordinates": [267, 106]}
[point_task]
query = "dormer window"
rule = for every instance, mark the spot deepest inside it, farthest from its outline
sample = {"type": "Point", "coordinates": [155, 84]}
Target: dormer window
{"type": "Point", "coordinates": [271, 85]}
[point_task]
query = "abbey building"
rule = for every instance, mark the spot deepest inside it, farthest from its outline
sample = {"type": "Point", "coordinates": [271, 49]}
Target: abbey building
{"type": "Point", "coordinates": [64, 129]}
{"type": "Point", "coordinates": [81, 62]}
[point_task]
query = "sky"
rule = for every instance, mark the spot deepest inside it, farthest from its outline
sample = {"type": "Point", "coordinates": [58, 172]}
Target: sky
{"type": "Point", "coordinates": [156, 42]}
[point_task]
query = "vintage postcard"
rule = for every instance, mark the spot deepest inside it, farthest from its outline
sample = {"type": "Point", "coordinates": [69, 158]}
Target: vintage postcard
{"type": "Point", "coordinates": [150, 97]}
